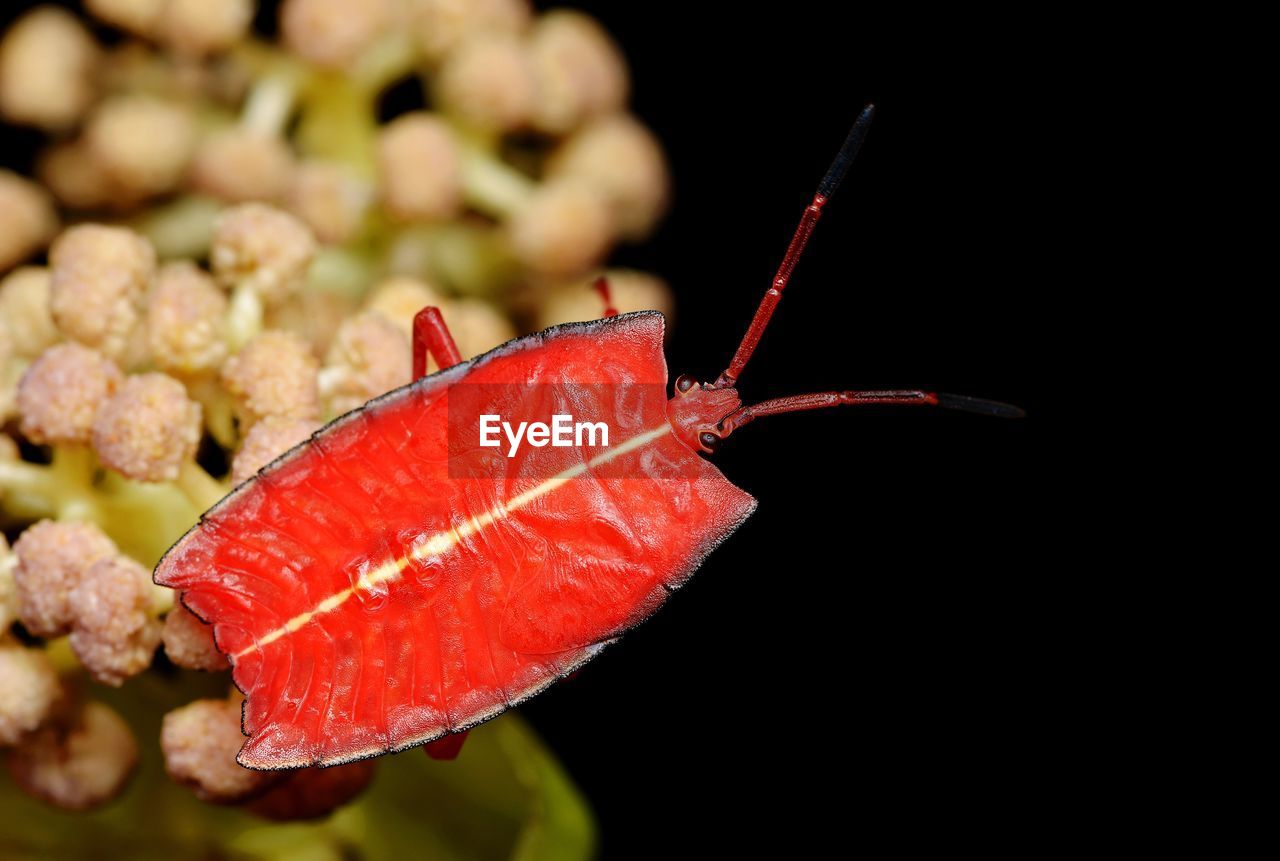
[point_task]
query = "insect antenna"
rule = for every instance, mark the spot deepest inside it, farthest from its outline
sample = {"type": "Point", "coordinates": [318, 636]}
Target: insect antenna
{"type": "Point", "coordinates": [808, 221]}
{"type": "Point", "coordinates": [980, 406]}
{"type": "Point", "coordinates": [822, 400]}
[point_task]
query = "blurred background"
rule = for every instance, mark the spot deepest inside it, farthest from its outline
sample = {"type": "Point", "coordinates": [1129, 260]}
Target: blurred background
{"type": "Point", "coordinates": [861, 662]}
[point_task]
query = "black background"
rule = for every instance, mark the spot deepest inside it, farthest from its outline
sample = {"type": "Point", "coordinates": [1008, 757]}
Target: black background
{"type": "Point", "coordinates": [864, 665]}
{"type": "Point", "coordinates": [865, 662]}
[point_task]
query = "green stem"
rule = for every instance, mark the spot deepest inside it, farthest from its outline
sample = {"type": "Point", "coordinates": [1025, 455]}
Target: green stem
{"type": "Point", "coordinates": [473, 259]}
{"type": "Point", "coordinates": [342, 271]}
{"type": "Point", "coordinates": [491, 186]}
{"type": "Point", "coordinates": [72, 465]}
{"type": "Point", "coordinates": [203, 490]}
{"type": "Point", "coordinates": [162, 600]}
{"type": "Point", "coordinates": [72, 470]}
{"type": "Point", "coordinates": [339, 123]}
{"type": "Point", "coordinates": [33, 492]}
{"type": "Point", "coordinates": [244, 317]}
{"type": "Point", "coordinates": [143, 518]}
{"type": "Point", "coordinates": [339, 110]}
{"type": "Point", "coordinates": [27, 478]}
{"type": "Point", "coordinates": [219, 409]}
{"type": "Point", "coordinates": [63, 659]}
{"type": "Point", "coordinates": [182, 229]}
{"type": "Point", "coordinates": [395, 56]}
{"type": "Point", "coordinates": [270, 104]}
{"type": "Point", "coordinates": [28, 506]}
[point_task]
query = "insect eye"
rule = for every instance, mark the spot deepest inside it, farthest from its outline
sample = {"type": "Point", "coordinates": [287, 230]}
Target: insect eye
{"type": "Point", "coordinates": [708, 441]}
{"type": "Point", "coordinates": [684, 383]}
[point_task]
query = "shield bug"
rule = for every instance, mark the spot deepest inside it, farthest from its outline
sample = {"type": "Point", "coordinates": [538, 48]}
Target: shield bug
{"type": "Point", "coordinates": [392, 581]}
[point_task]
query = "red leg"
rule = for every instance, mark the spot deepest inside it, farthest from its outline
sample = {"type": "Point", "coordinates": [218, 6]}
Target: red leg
{"type": "Point", "coordinates": [601, 286]}
{"type": "Point", "coordinates": [448, 747]}
{"type": "Point", "coordinates": [431, 335]}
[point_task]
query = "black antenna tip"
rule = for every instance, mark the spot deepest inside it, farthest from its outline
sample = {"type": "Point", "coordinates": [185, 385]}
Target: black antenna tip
{"type": "Point", "coordinates": [983, 407]}
{"type": "Point", "coordinates": [852, 144]}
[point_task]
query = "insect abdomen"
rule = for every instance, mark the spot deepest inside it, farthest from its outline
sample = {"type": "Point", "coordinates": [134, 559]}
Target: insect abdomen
{"type": "Point", "coordinates": [370, 599]}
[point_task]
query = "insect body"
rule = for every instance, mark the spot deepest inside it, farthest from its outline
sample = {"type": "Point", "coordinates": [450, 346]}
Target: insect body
{"type": "Point", "coordinates": [392, 581]}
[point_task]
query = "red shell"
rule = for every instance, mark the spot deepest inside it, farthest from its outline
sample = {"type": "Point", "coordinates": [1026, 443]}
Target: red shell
{"type": "Point", "coordinates": [372, 599]}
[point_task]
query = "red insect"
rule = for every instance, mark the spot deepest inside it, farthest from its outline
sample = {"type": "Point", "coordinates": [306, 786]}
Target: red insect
{"type": "Point", "coordinates": [385, 585]}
